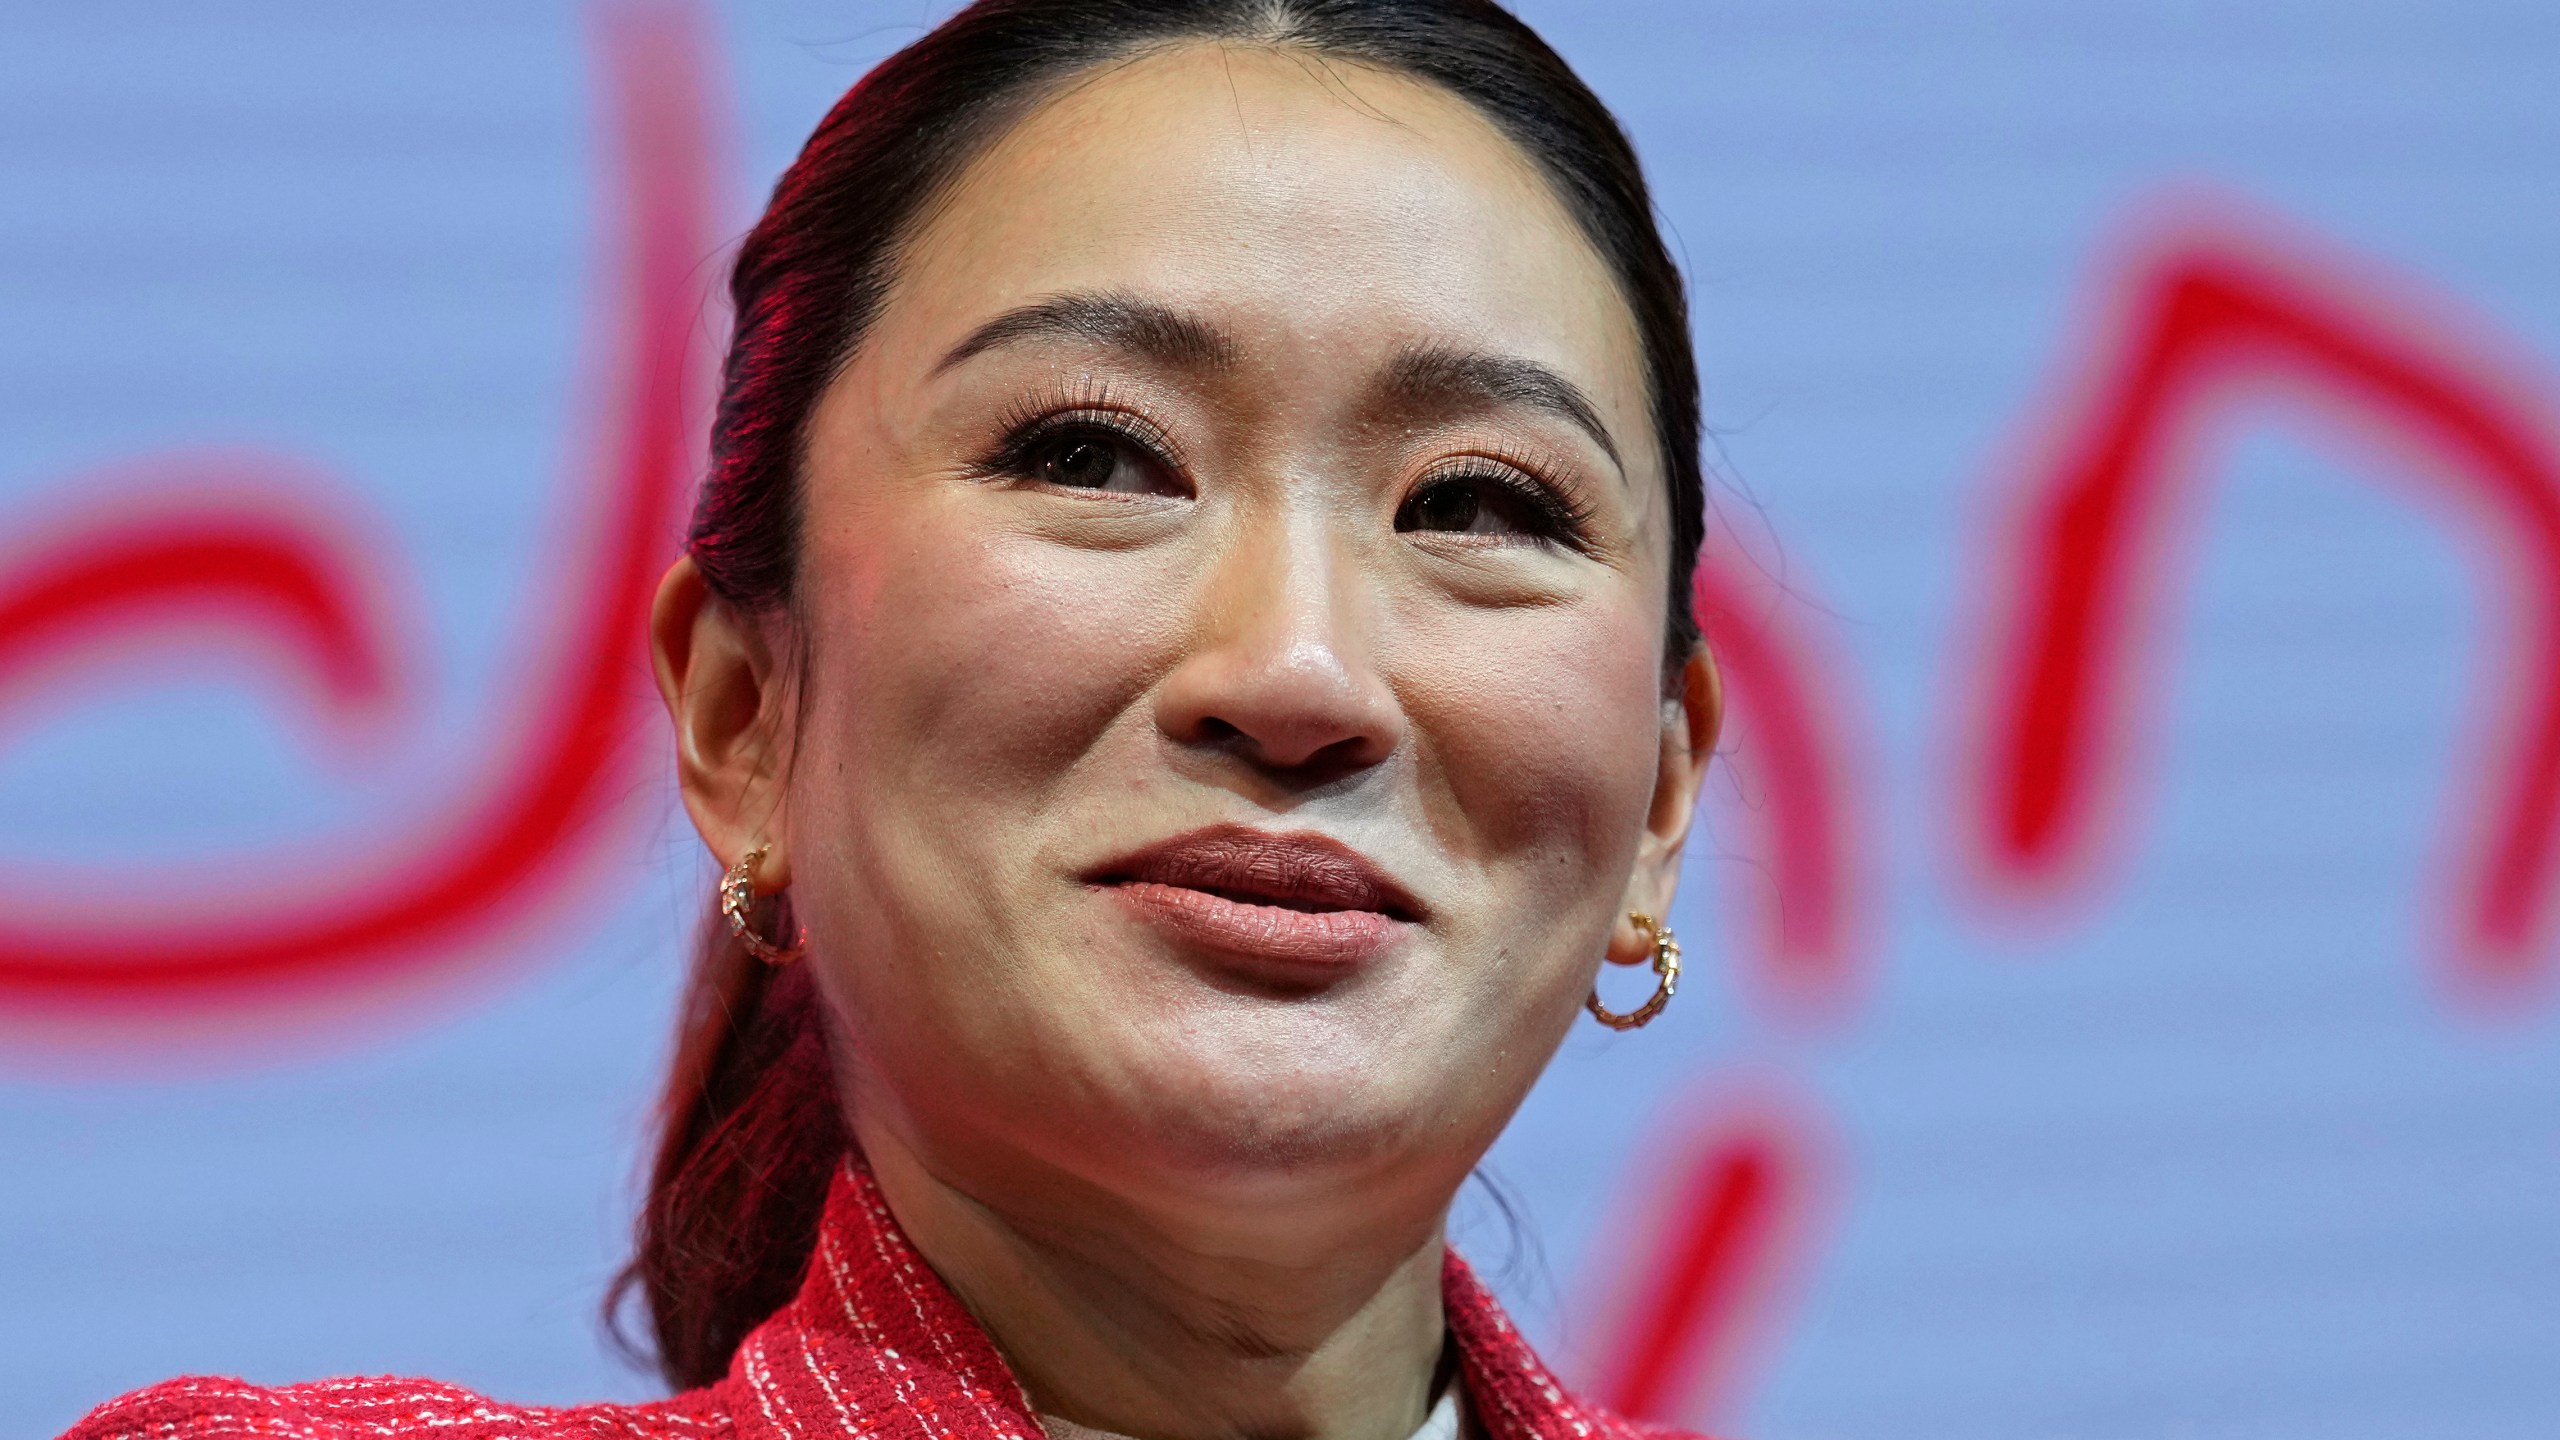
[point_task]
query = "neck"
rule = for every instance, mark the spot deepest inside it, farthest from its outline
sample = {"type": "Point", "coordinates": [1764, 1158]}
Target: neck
{"type": "Point", "coordinates": [1157, 1326]}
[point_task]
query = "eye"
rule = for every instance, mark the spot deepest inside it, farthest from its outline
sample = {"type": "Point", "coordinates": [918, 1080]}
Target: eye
{"type": "Point", "coordinates": [1451, 505]}
{"type": "Point", "coordinates": [1496, 506]}
{"type": "Point", "coordinates": [1085, 464]}
{"type": "Point", "coordinates": [1094, 455]}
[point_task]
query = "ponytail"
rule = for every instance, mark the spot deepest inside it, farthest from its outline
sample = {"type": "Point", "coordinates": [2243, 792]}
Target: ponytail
{"type": "Point", "coordinates": [750, 1132]}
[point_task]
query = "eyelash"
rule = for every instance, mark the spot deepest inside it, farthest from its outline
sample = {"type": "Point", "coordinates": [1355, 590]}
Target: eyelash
{"type": "Point", "coordinates": [1033, 424]}
{"type": "Point", "coordinates": [1562, 517]}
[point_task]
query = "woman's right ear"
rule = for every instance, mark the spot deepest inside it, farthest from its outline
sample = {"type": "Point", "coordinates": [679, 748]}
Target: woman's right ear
{"type": "Point", "coordinates": [716, 672]}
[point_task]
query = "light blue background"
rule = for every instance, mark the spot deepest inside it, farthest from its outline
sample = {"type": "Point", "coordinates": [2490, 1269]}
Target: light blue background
{"type": "Point", "coordinates": [2217, 1162]}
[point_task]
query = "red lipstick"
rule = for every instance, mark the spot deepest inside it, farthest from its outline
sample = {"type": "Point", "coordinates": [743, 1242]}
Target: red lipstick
{"type": "Point", "coordinates": [1302, 901]}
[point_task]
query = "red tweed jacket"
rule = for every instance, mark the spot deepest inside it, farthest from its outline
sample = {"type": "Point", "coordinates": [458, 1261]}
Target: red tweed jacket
{"type": "Point", "coordinates": [874, 1345]}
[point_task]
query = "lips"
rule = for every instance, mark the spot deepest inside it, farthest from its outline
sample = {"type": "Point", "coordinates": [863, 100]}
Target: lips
{"type": "Point", "coordinates": [1300, 902]}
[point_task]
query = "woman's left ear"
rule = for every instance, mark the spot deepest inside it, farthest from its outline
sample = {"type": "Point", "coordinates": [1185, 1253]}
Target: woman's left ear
{"type": "Point", "coordinates": [1691, 719]}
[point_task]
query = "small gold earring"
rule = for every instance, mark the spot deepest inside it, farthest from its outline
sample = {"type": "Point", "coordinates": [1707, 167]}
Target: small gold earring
{"type": "Point", "coordinates": [737, 901]}
{"type": "Point", "coordinates": [1666, 964]}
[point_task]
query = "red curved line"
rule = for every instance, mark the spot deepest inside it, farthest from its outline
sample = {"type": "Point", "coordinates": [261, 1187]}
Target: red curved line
{"type": "Point", "coordinates": [1709, 1282]}
{"type": "Point", "coordinates": [268, 576]}
{"type": "Point", "coordinates": [499, 857]}
{"type": "Point", "coordinates": [1697, 1292]}
{"type": "Point", "coordinates": [2215, 319]}
{"type": "Point", "coordinates": [1806, 957]}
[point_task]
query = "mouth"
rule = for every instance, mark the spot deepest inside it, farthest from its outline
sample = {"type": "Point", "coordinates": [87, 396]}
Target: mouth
{"type": "Point", "coordinates": [1298, 901]}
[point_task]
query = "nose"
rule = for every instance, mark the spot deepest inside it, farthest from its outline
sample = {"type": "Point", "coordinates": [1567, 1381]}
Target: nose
{"type": "Point", "coordinates": [1280, 671]}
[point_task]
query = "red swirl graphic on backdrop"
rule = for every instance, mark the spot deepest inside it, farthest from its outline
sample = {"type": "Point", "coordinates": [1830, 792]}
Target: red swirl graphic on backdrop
{"type": "Point", "coordinates": [2215, 318]}
{"type": "Point", "coordinates": [241, 568]}
{"type": "Point", "coordinates": [275, 580]}
{"type": "Point", "coordinates": [1791, 763]}
{"type": "Point", "coordinates": [1696, 1279]}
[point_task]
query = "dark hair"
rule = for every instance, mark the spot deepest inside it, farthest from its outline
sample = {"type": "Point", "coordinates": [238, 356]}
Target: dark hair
{"type": "Point", "coordinates": [751, 1127]}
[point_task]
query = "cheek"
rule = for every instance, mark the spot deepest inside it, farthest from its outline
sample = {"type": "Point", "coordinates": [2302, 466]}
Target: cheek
{"type": "Point", "coordinates": [966, 680]}
{"type": "Point", "coordinates": [975, 711]}
{"type": "Point", "coordinates": [969, 670]}
{"type": "Point", "coordinates": [1539, 742]}
{"type": "Point", "coordinates": [1543, 732]}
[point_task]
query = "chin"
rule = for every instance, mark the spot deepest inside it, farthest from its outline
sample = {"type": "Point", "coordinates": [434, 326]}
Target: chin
{"type": "Point", "coordinates": [1288, 1100]}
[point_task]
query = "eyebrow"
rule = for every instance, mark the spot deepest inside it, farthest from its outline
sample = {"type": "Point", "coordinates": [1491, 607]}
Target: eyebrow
{"type": "Point", "coordinates": [1439, 377]}
{"type": "Point", "coordinates": [1122, 322]}
{"type": "Point", "coordinates": [1428, 376]}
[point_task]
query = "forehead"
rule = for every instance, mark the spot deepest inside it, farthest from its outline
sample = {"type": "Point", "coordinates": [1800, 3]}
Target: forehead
{"type": "Point", "coordinates": [1299, 200]}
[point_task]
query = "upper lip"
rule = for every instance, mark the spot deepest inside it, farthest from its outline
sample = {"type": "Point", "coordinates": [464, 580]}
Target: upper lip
{"type": "Point", "coordinates": [1301, 870]}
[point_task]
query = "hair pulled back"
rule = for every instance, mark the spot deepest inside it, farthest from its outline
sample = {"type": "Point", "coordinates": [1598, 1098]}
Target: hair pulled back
{"type": "Point", "coordinates": [750, 1129]}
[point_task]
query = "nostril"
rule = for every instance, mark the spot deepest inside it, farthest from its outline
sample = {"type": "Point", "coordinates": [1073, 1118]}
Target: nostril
{"type": "Point", "coordinates": [1279, 710]}
{"type": "Point", "coordinates": [1277, 750]}
{"type": "Point", "coordinates": [1352, 752]}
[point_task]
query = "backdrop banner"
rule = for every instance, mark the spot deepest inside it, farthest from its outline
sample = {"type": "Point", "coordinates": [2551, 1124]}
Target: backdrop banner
{"type": "Point", "coordinates": [2124, 928]}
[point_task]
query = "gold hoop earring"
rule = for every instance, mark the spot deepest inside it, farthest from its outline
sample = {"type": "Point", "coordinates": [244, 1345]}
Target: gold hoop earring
{"type": "Point", "coordinates": [1666, 964]}
{"type": "Point", "coordinates": [737, 901]}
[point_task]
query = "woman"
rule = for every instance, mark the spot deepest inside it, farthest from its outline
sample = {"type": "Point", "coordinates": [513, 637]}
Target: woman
{"type": "Point", "coordinates": [1183, 659]}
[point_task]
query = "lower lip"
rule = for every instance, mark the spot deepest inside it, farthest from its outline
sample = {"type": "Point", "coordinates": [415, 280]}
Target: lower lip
{"type": "Point", "coordinates": [1317, 940]}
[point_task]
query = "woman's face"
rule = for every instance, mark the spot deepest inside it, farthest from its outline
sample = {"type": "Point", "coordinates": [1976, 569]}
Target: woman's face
{"type": "Point", "coordinates": [1232, 602]}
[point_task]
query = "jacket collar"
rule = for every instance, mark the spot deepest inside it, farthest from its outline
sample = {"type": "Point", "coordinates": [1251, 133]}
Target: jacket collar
{"type": "Point", "coordinates": [876, 1345]}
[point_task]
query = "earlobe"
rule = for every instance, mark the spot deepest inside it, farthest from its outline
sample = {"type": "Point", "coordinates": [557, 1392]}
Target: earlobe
{"type": "Point", "coordinates": [715, 672]}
